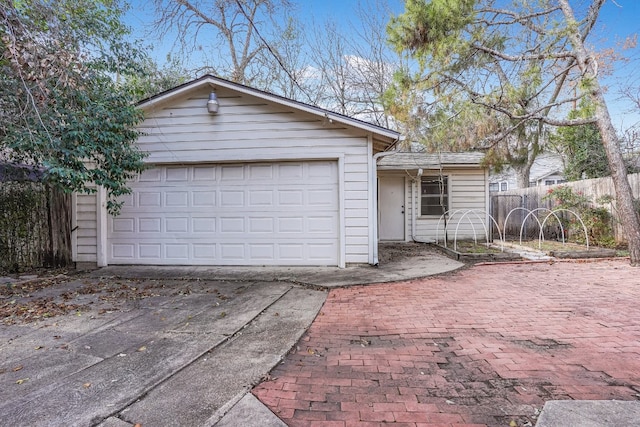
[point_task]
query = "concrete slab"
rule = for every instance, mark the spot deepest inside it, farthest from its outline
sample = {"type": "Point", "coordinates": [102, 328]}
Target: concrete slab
{"type": "Point", "coordinates": [250, 412]}
{"type": "Point", "coordinates": [426, 264]}
{"type": "Point", "coordinates": [589, 413]}
{"type": "Point", "coordinates": [40, 369]}
{"type": "Point", "coordinates": [227, 372]}
{"type": "Point", "coordinates": [114, 422]}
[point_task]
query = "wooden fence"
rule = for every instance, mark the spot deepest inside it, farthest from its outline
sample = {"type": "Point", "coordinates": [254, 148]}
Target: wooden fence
{"type": "Point", "coordinates": [35, 227]}
{"type": "Point", "coordinates": [531, 198]}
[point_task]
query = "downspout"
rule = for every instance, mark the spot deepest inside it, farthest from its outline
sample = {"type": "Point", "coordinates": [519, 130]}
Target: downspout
{"type": "Point", "coordinates": [373, 216]}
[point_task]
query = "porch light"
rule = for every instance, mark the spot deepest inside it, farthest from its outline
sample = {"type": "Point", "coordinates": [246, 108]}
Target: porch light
{"type": "Point", "coordinates": [212, 103]}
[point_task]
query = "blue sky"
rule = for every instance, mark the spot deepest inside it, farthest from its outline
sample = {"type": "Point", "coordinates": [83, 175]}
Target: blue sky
{"type": "Point", "coordinates": [619, 19]}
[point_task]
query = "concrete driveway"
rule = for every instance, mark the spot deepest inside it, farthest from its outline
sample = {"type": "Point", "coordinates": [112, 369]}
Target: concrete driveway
{"type": "Point", "coordinates": [179, 355]}
{"type": "Point", "coordinates": [162, 346]}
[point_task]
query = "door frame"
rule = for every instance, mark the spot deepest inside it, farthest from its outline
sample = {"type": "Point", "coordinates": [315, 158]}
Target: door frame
{"type": "Point", "coordinates": [395, 215]}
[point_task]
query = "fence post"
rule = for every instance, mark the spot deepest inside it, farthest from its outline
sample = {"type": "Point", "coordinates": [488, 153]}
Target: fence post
{"type": "Point", "coordinates": [525, 204]}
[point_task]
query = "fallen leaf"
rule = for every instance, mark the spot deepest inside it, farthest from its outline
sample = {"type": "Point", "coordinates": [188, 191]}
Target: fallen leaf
{"type": "Point", "coordinates": [137, 425]}
{"type": "Point", "coordinates": [143, 348]}
{"type": "Point", "coordinates": [40, 347]}
{"type": "Point", "coordinates": [22, 380]}
{"type": "Point", "coordinates": [513, 424]}
{"type": "Point", "coordinates": [17, 368]}
{"type": "Point", "coordinates": [86, 385]}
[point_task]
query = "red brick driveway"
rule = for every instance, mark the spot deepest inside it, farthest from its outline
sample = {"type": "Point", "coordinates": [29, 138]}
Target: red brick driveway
{"type": "Point", "coordinates": [484, 346]}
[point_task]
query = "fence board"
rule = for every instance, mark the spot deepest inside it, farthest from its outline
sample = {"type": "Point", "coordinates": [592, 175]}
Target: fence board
{"type": "Point", "coordinates": [531, 198]}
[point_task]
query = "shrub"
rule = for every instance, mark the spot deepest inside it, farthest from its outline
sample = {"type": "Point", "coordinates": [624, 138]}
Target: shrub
{"type": "Point", "coordinates": [597, 219]}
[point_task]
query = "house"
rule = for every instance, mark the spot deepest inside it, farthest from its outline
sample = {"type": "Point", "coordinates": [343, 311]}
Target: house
{"type": "Point", "coordinates": [238, 176]}
{"type": "Point", "coordinates": [416, 188]}
{"type": "Point", "coordinates": [547, 169]}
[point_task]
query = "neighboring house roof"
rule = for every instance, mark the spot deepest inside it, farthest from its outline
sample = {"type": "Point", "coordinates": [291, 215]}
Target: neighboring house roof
{"type": "Point", "coordinates": [19, 172]}
{"type": "Point", "coordinates": [545, 164]}
{"type": "Point", "coordinates": [412, 160]}
{"type": "Point", "coordinates": [547, 175]}
{"type": "Point", "coordinates": [389, 136]}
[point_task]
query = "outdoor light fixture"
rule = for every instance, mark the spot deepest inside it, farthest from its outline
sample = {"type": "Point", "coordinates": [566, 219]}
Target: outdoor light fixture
{"type": "Point", "coordinates": [212, 103]}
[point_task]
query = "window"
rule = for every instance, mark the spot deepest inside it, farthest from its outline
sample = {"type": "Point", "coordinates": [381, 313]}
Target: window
{"type": "Point", "coordinates": [554, 181]}
{"type": "Point", "coordinates": [434, 198]}
{"type": "Point", "coordinates": [495, 187]}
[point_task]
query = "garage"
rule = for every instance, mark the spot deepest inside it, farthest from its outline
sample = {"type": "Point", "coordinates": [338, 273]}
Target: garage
{"type": "Point", "coordinates": [269, 213]}
{"type": "Point", "coordinates": [236, 176]}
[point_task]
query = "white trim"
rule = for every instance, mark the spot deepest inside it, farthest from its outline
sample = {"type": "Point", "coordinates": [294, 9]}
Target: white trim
{"type": "Point", "coordinates": [404, 209]}
{"type": "Point", "coordinates": [373, 215]}
{"type": "Point", "coordinates": [341, 215]}
{"type": "Point", "coordinates": [74, 227]}
{"type": "Point", "coordinates": [445, 174]}
{"type": "Point", "coordinates": [246, 158]}
{"type": "Point", "coordinates": [101, 228]}
{"type": "Point", "coordinates": [487, 200]}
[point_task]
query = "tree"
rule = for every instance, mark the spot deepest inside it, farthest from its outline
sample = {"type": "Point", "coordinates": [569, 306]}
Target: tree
{"type": "Point", "coordinates": [154, 79]}
{"type": "Point", "coordinates": [517, 62]}
{"type": "Point", "coordinates": [353, 67]}
{"type": "Point", "coordinates": [60, 107]}
{"type": "Point", "coordinates": [234, 29]}
{"type": "Point", "coordinates": [581, 148]}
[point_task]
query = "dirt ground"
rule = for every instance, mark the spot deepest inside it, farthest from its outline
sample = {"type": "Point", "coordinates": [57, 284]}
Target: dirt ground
{"type": "Point", "coordinates": [397, 251]}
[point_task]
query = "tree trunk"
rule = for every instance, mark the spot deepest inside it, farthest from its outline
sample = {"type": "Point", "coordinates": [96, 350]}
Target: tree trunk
{"type": "Point", "coordinates": [624, 196]}
{"type": "Point", "coordinates": [522, 175]}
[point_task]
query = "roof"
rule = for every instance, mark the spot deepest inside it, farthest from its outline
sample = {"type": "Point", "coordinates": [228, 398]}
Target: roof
{"type": "Point", "coordinates": [412, 160]}
{"type": "Point", "coordinates": [388, 135]}
{"type": "Point", "coordinates": [548, 174]}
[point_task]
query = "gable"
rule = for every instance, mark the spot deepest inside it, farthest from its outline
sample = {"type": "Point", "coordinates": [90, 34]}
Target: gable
{"type": "Point", "coordinates": [250, 114]}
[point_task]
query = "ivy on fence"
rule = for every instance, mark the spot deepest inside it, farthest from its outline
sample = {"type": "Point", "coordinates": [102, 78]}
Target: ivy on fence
{"type": "Point", "coordinates": [34, 227]}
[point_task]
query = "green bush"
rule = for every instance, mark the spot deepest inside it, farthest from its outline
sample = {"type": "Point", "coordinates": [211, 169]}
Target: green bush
{"type": "Point", "coordinates": [597, 219]}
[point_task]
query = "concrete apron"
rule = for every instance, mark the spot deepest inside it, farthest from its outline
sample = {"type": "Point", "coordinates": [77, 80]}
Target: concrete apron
{"type": "Point", "coordinates": [589, 413]}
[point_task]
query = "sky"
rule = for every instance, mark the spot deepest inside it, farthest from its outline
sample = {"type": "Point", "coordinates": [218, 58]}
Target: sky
{"type": "Point", "coordinates": [618, 20]}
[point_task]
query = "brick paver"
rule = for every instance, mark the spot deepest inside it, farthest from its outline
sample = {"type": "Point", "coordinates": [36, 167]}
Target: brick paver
{"type": "Point", "coordinates": [486, 346]}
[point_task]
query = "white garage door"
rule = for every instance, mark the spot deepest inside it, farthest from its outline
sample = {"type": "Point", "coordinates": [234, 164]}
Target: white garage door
{"type": "Point", "coordinates": [230, 214]}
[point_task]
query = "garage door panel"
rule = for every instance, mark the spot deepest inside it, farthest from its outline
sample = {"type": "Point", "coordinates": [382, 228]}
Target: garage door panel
{"type": "Point", "coordinates": [246, 214]}
{"type": "Point", "coordinates": [261, 225]}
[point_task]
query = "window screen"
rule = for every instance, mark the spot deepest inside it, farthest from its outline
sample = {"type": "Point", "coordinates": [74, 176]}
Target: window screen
{"type": "Point", "coordinates": [434, 195]}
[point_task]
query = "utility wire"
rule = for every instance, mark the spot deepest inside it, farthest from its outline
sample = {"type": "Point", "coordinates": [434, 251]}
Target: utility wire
{"type": "Point", "coordinates": [277, 58]}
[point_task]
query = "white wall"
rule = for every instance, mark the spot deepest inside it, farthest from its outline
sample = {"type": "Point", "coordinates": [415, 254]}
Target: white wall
{"type": "Point", "coordinates": [249, 128]}
{"type": "Point", "coordinates": [467, 190]}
